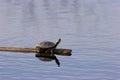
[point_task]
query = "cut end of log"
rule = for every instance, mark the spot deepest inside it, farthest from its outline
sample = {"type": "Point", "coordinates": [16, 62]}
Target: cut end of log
{"type": "Point", "coordinates": [63, 52]}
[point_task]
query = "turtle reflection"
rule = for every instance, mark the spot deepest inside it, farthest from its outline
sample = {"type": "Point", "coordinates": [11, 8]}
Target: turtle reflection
{"type": "Point", "coordinates": [47, 57]}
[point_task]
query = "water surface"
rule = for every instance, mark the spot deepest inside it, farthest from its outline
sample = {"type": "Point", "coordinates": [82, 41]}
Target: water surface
{"type": "Point", "coordinates": [89, 27]}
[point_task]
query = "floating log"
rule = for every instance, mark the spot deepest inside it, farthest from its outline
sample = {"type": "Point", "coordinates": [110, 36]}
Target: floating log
{"type": "Point", "coordinates": [62, 52]}
{"type": "Point", "coordinates": [17, 49]}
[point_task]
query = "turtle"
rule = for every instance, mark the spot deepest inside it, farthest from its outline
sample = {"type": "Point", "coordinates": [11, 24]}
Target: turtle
{"type": "Point", "coordinates": [47, 46]}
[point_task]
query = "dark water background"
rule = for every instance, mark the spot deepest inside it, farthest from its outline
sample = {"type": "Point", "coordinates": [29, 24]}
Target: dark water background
{"type": "Point", "coordinates": [91, 28]}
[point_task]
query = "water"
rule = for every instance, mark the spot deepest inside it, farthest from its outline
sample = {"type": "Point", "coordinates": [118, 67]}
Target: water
{"type": "Point", "coordinates": [89, 27]}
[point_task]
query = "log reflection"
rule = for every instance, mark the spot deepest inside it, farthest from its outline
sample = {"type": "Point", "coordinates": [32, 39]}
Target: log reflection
{"type": "Point", "coordinates": [47, 57]}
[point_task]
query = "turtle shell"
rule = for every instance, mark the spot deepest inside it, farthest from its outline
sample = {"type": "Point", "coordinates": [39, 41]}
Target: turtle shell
{"type": "Point", "coordinates": [46, 44]}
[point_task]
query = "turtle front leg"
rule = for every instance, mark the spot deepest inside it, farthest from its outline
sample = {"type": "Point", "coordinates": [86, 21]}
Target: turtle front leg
{"type": "Point", "coordinates": [48, 50]}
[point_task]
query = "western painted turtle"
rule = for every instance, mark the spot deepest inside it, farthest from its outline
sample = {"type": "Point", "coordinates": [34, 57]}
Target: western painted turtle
{"type": "Point", "coordinates": [47, 46]}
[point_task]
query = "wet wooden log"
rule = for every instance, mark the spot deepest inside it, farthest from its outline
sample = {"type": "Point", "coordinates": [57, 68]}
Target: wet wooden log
{"type": "Point", "coordinates": [17, 49]}
{"type": "Point", "coordinates": [62, 52]}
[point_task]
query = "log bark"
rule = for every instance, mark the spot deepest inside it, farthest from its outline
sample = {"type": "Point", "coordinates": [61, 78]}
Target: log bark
{"type": "Point", "coordinates": [16, 49]}
{"type": "Point", "coordinates": [62, 52]}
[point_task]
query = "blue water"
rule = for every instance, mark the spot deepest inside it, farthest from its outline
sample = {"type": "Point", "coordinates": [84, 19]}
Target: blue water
{"type": "Point", "coordinates": [89, 27]}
